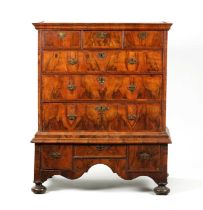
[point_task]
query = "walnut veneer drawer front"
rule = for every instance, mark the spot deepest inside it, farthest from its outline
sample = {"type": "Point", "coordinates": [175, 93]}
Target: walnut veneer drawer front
{"type": "Point", "coordinates": [100, 151]}
{"type": "Point", "coordinates": [144, 158]}
{"type": "Point", "coordinates": [61, 39]}
{"type": "Point", "coordinates": [98, 87]}
{"type": "Point", "coordinates": [142, 39]}
{"type": "Point", "coordinates": [120, 61]}
{"type": "Point", "coordinates": [101, 116]}
{"type": "Point", "coordinates": [56, 156]}
{"type": "Point", "coordinates": [102, 39]}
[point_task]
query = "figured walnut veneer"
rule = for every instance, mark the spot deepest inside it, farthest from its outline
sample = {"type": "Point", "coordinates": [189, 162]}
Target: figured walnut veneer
{"type": "Point", "coordinates": [102, 99]}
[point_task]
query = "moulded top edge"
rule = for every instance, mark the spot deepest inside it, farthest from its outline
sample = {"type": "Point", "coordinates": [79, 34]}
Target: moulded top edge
{"type": "Point", "coordinates": [102, 26]}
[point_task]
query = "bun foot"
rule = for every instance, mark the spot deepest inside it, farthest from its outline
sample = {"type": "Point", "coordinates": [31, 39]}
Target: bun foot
{"type": "Point", "coordinates": [39, 188]}
{"type": "Point", "coordinates": [161, 189]}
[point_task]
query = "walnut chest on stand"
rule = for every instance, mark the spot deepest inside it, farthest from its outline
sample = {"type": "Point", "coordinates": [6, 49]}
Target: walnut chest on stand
{"type": "Point", "coordinates": [102, 100]}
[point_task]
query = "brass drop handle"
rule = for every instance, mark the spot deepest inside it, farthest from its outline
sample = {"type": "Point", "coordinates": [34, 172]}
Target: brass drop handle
{"type": "Point", "coordinates": [101, 80]}
{"type": "Point", "coordinates": [132, 117]}
{"type": "Point", "coordinates": [102, 108]}
{"type": "Point", "coordinates": [72, 117]}
{"type": "Point", "coordinates": [61, 34]}
{"type": "Point", "coordinates": [142, 35]}
{"type": "Point", "coordinates": [55, 155]}
{"type": "Point", "coordinates": [71, 87]}
{"type": "Point", "coordinates": [132, 61]}
{"type": "Point", "coordinates": [102, 147]}
{"type": "Point", "coordinates": [72, 61]}
{"type": "Point", "coordinates": [101, 55]}
{"type": "Point", "coordinates": [102, 35]}
{"type": "Point", "coordinates": [131, 88]}
{"type": "Point", "coordinates": [144, 156]}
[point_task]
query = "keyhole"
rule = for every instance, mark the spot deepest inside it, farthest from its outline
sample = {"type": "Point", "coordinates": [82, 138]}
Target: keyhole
{"type": "Point", "coordinates": [101, 55]}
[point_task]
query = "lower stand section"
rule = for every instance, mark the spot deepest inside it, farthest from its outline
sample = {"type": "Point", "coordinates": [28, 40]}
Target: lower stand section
{"type": "Point", "coordinates": [127, 160]}
{"type": "Point", "coordinates": [161, 189]}
{"type": "Point", "coordinates": [39, 188]}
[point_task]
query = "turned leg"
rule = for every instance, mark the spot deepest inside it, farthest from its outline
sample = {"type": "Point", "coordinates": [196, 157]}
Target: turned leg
{"type": "Point", "coordinates": [161, 189]}
{"type": "Point", "coordinates": [39, 188]}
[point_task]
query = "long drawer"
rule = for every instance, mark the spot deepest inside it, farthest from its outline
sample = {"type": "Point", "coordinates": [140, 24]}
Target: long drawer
{"type": "Point", "coordinates": [99, 61]}
{"type": "Point", "coordinates": [101, 87]}
{"type": "Point", "coordinates": [101, 116]}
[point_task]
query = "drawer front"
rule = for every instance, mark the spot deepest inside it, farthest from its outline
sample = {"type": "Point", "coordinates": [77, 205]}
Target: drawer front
{"type": "Point", "coordinates": [98, 87]}
{"type": "Point", "coordinates": [144, 158]}
{"type": "Point", "coordinates": [101, 116]}
{"type": "Point", "coordinates": [102, 39]}
{"type": "Point", "coordinates": [143, 39]}
{"type": "Point", "coordinates": [118, 151]}
{"type": "Point", "coordinates": [61, 39]}
{"type": "Point", "coordinates": [56, 156]}
{"type": "Point", "coordinates": [123, 61]}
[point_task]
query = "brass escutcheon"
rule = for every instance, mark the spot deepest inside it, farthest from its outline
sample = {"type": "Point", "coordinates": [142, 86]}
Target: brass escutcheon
{"type": "Point", "coordinates": [131, 88]}
{"type": "Point", "coordinates": [102, 108]}
{"type": "Point", "coordinates": [142, 35]}
{"type": "Point", "coordinates": [72, 61]}
{"type": "Point", "coordinates": [61, 34]}
{"type": "Point", "coordinates": [101, 80]}
{"type": "Point", "coordinates": [132, 61]}
{"type": "Point", "coordinates": [144, 156]}
{"type": "Point", "coordinates": [102, 35]}
{"type": "Point", "coordinates": [102, 147]}
{"type": "Point", "coordinates": [55, 155]}
{"type": "Point", "coordinates": [71, 117]}
{"type": "Point", "coordinates": [131, 117]}
{"type": "Point", "coordinates": [101, 55]}
{"type": "Point", "coordinates": [71, 87]}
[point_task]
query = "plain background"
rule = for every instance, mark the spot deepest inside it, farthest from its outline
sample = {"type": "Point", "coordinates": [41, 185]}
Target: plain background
{"type": "Point", "coordinates": [100, 188]}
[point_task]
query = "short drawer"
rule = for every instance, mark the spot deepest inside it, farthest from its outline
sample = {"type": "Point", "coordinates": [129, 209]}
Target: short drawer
{"type": "Point", "coordinates": [99, 150]}
{"type": "Point", "coordinates": [61, 39]}
{"type": "Point", "coordinates": [102, 39]}
{"type": "Point", "coordinates": [144, 158]}
{"type": "Point", "coordinates": [56, 156]}
{"type": "Point", "coordinates": [143, 39]}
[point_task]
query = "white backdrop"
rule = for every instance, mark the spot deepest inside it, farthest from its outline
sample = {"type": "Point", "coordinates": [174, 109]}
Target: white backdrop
{"type": "Point", "coordinates": [100, 188]}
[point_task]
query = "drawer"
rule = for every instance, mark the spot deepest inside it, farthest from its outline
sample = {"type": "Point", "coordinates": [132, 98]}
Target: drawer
{"type": "Point", "coordinates": [61, 39]}
{"type": "Point", "coordinates": [144, 158]}
{"type": "Point", "coordinates": [107, 151]}
{"type": "Point", "coordinates": [143, 39]}
{"type": "Point", "coordinates": [102, 39]}
{"type": "Point", "coordinates": [101, 87]}
{"type": "Point", "coordinates": [56, 156]}
{"type": "Point", "coordinates": [109, 61]}
{"type": "Point", "coordinates": [101, 116]}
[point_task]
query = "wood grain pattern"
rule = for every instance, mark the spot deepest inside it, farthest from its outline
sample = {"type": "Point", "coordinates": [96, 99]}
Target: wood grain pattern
{"type": "Point", "coordinates": [113, 61]}
{"type": "Point", "coordinates": [144, 158]}
{"type": "Point", "coordinates": [95, 39]}
{"type": "Point", "coordinates": [143, 39]}
{"type": "Point", "coordinates": [132, 117]}
{"type": "Point", "coordinates": [61, 39]}
{"type": "Point", "coordinates": [108, 87]}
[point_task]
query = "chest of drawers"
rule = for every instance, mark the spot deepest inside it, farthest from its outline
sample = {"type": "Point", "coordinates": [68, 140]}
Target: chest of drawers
{"type": "Point", "coordinates": [102, 100]}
